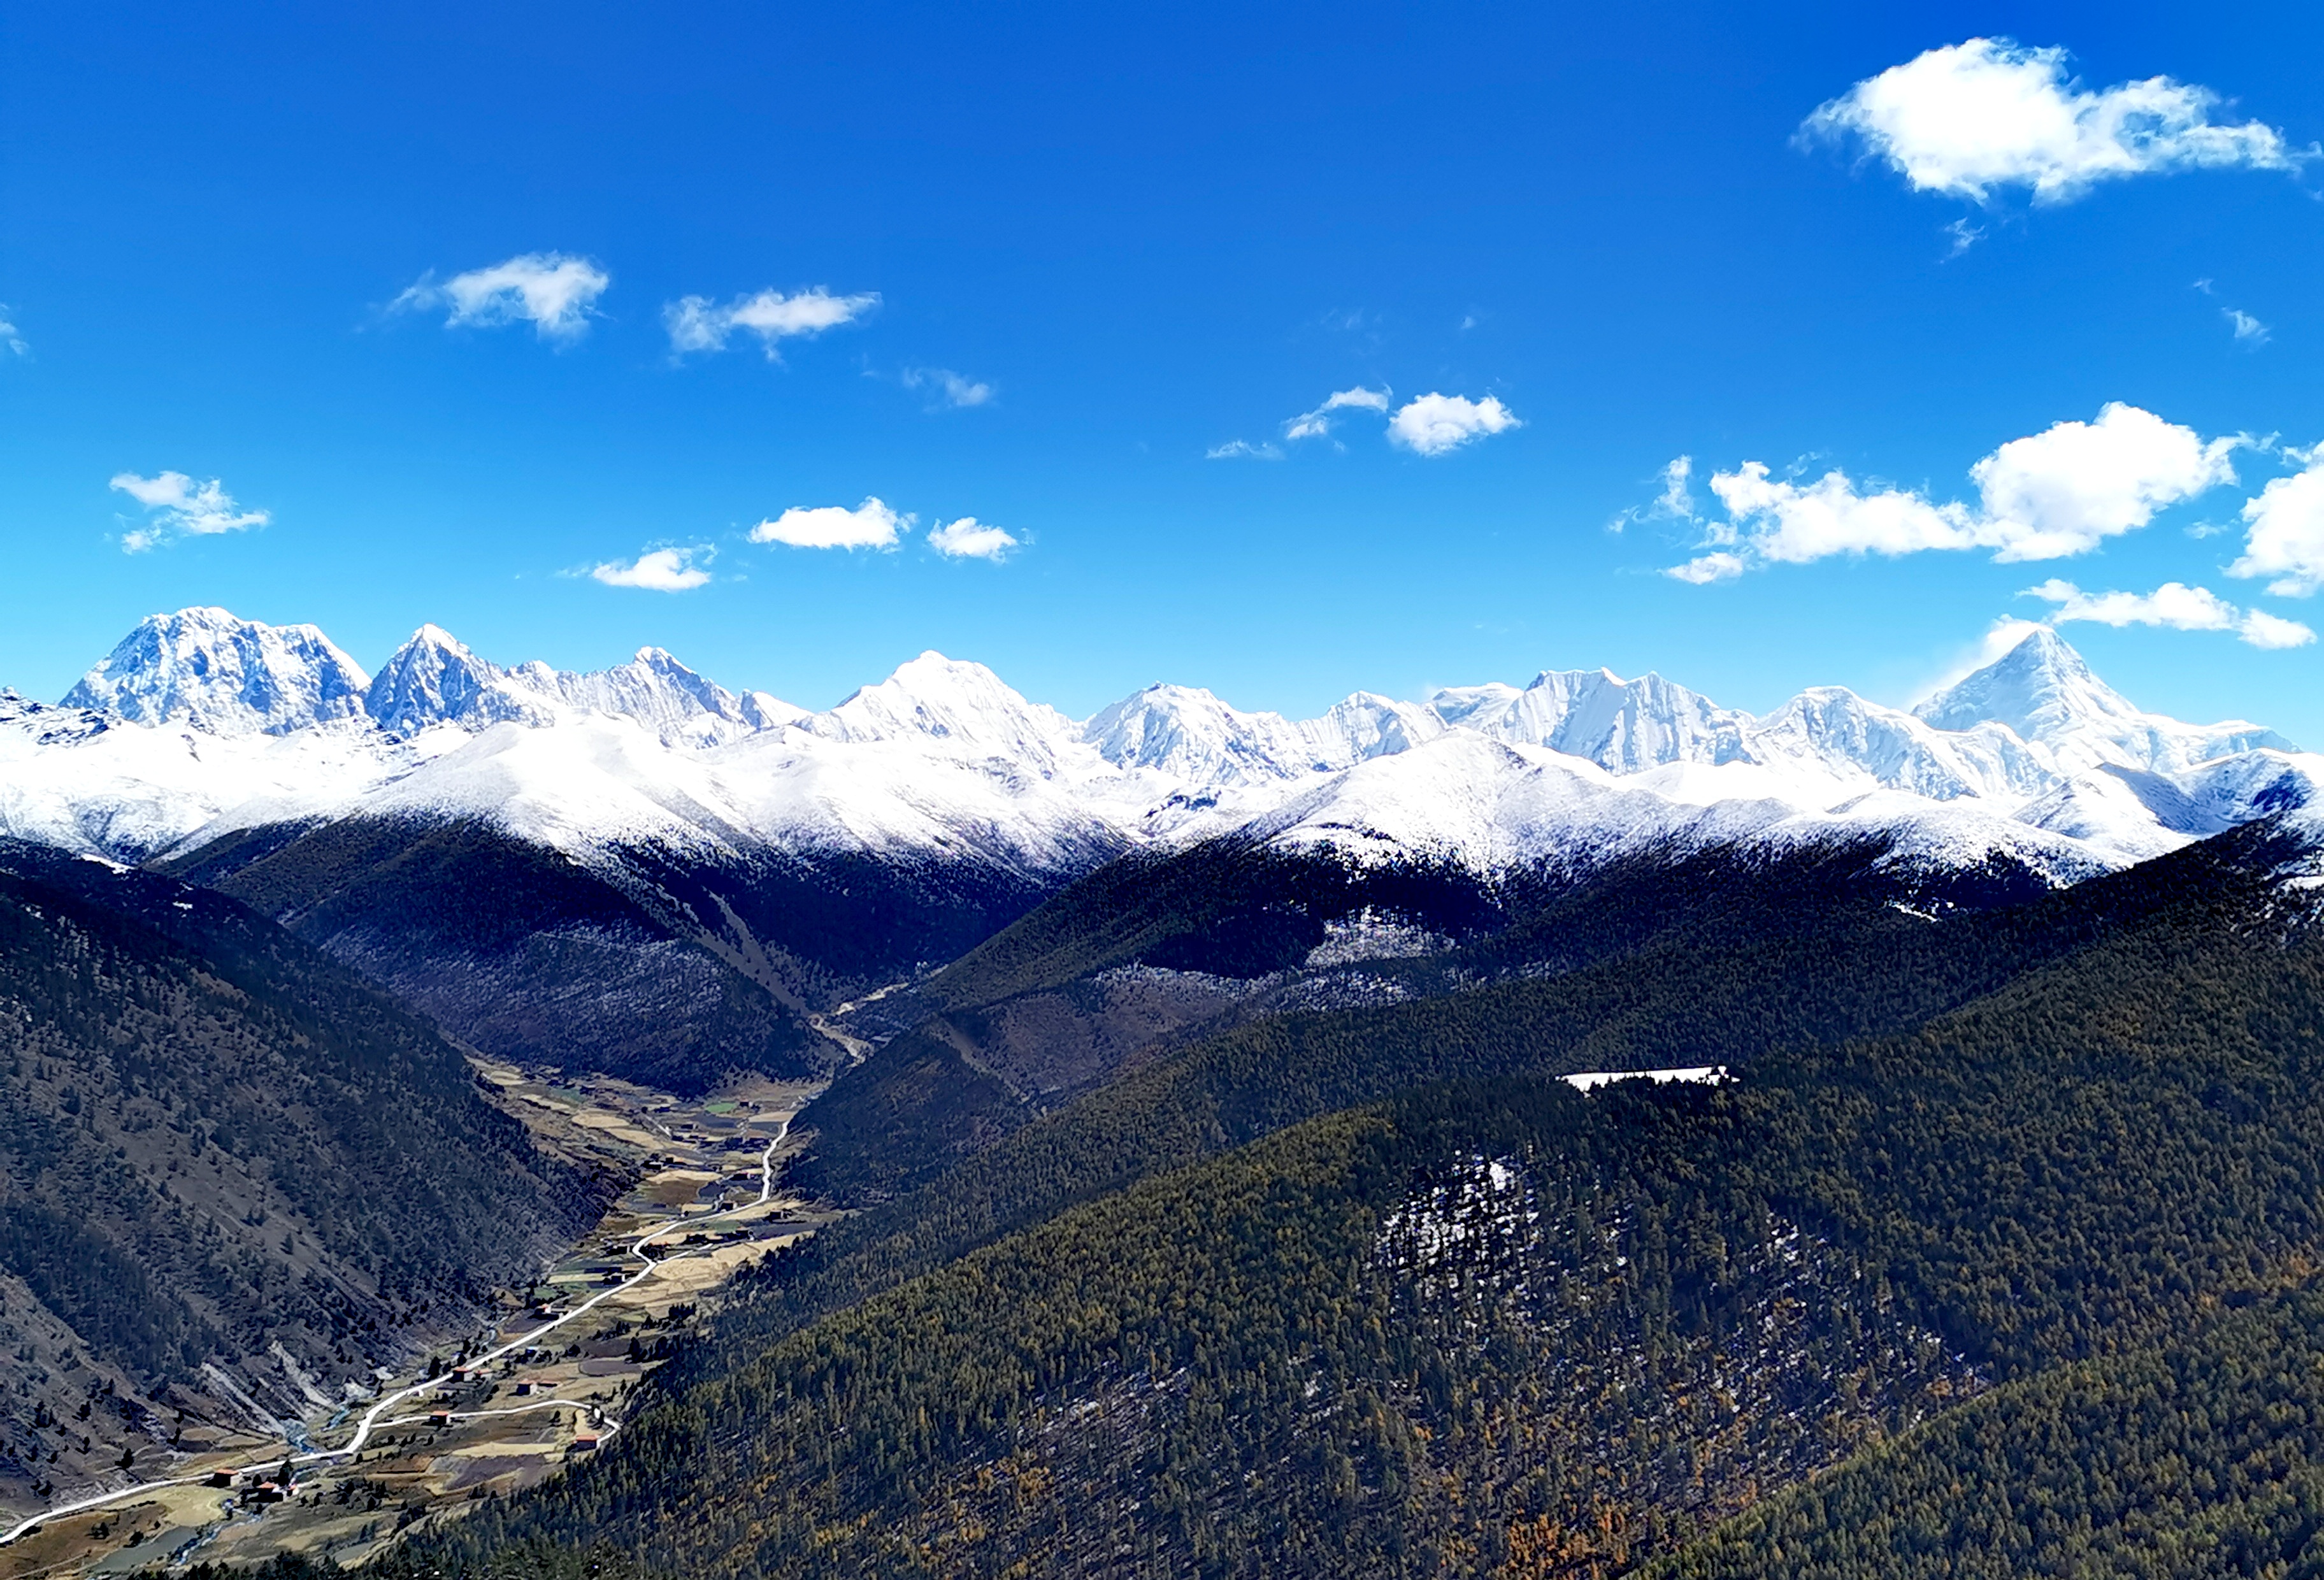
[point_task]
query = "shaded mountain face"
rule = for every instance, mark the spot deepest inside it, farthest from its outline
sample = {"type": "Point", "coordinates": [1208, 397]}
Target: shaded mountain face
{"type": "Point", "coordinates": [520, 954]}
{"type": "Point", "coordinates": [668, 966]}
{"type": "Point", "coordinates": [224, 1156]}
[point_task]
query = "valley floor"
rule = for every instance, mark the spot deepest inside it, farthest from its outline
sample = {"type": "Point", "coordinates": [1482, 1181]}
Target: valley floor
{"type": "Point", "coordinates": [543, 1381]}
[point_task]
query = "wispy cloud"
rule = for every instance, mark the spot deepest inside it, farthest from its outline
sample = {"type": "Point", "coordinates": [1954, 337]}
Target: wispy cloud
{"type": "Point", "coordinates": [1676, 503]}
{"type": "Point", "coordinates": [697, 324]}
{"type": "Point", "coordinates": [2051, 495]}
{"type": "Point", "coordinates": [556, 294]}
{"type": "Point", "coordinates": [178, 506]}
{"type": "Point", "coordinates": [1968, 119]}
{"type": "Point", "coordinates": [10, 340]}
{"type": "Point", "coordinates": [2249, 330]}
{"type": "Point", "coordinates": [658, 571]}
{"type": "Point", "coordinates": [951, 389]}
{"type": "Point", "coordinates": [970, 539]}
{"type": "Point", "coordinates": [1720, 565]}
{"type": "Point", "coordinates": [1963, 236]}
{"type": "Point", "coordinates": [1436, 425]}
{"type": "Point", "coordinates": [869, 525]}
{"type": "Point", "coordinates": [1243, 449]}
{"type": "Point", "coordinates": [2173, 606]}
{"type": "Point", "coordinates": [1316, 423]}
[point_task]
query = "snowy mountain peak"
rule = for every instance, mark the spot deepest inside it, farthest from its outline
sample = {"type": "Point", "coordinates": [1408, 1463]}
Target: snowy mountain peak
{"type": "Point", "coordinates": [434, 679]}
{"type": "Point", "coordinates": [2041, 688]}
{"type": "Point", "coordinates": [1624, 726]}
{"type": "Point", "coordinates": [964, 706]}
{"type": "Point", "coordinates": [1188, 733]}
{"type": "Point", "coordinates": [682, 706]}
{"type": "Point", "coordinates": [226, 676]}
{"type": "Point", "coordinates": [2043, 691]}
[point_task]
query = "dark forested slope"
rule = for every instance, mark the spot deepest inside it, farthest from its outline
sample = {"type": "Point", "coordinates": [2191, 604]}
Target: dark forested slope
{"type": "Point", "coordinates": [1703, 959]}
{"type": "Point", "coordinates": [516, 950]}
{"type": "Point", "coordinates": [1491, 1326]}
{"type": "Point", "coordinates": [219, 1149]}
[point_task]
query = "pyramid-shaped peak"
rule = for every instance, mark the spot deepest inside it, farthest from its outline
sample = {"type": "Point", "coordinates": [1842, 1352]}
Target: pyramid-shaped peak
{"type": "Point", "coordinates": [432, 679]}
{"type": "Point", "coordinates": [2041, 650]}
{"type": "Point", "coordinates": [431, 635]}
{"type": "Point", "coordinates": [2039, 686]}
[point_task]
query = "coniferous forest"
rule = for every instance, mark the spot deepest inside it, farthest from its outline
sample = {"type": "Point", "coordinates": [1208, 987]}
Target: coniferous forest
{"type": "Point", "coordinates": [1994, 1257]}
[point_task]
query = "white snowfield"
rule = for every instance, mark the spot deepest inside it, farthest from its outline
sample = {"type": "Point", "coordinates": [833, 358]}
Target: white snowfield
{"type": "Point", "coordinates": [1708, 1075]}
{"type": "Point", "coordinates": [200, 725]}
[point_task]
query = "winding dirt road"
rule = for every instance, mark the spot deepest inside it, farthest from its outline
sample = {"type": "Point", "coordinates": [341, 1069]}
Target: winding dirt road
{"type": "Point", "coordinates": [372, 1418]}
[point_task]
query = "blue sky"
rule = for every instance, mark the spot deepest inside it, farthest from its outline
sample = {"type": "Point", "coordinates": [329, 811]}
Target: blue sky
{"type": "Point", "coordinates": [233, 241]}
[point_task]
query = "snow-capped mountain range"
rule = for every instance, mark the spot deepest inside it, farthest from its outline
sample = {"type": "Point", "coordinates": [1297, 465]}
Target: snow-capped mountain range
{"type": "Point", "coordinates": [200, 725]}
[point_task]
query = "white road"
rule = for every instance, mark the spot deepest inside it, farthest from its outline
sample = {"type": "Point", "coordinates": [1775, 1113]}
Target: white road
{"type": "Point", "coordinates": [371, 1420]}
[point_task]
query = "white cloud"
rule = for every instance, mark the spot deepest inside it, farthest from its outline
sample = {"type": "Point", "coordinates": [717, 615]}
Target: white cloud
{"type": "Point", "coordinates": [2248, 329]}
{"type": "Point", "coordinates": [660, 570]}
{"type": "Point", "coordinates": [1780, 522]}
{"type": "Point", "coordinates": [551, 291]}
{"type": "Point", "coordinates": [2061, 491]}
{"type": "Point", "coordinates": [1243, 449]}
{"type": "Point", "coordinates": [1435, 424]}
{"type": "Point", "coordinates": [10, 340]}
{"type": "Point", "coordinates": [1964, 236]}
{"type": "Point", "coordinates": [1969, 118]}
{"type": "Point", "coordinates": [180, 506]}
{"type": "Point", "coordinates": [2057, 492]}
{"type": "Point", "coordinates": [2285, 532]}
{"type": "Point", "coordinates": [696, 323]}
{"type": "Point", "coordinates": [953, 390]}
{"type": "Point", "coordinates": [869, 525]}
{"type": "Point", "coordinates": [1316, 423]}
{"type": "Point", "coordinates": [2173, 605]}
{"type": "Point", "coordinates": [2262, 629]}
{"type": "Point", "coordinates": [970, 539]}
